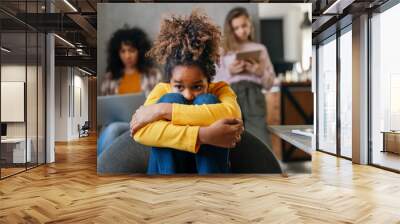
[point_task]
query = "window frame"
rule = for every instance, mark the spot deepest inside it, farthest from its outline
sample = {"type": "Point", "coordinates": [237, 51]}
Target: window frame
{"type": "Point", "coordinates": [333, 37]}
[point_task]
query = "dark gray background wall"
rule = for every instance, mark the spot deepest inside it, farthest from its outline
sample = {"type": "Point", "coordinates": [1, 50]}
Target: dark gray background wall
{"type": "Point", "coordinates": [112, 16]}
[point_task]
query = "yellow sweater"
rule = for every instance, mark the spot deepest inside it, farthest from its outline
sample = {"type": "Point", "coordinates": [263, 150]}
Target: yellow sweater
{"type": "Point", "coordinates": [182, 131]}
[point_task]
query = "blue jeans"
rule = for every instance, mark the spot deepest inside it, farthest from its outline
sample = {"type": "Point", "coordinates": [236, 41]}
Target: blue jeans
{"type": "Point", "coordinates": [209, 159]}
{"type": "Point", "coordinates": [109, 134]}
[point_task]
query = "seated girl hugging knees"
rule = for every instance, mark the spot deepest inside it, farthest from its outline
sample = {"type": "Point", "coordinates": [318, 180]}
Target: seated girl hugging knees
{"type": "Point", "coordinates": [189, 121]}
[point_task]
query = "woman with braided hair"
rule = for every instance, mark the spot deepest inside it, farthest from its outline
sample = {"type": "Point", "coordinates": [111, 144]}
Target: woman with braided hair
{"type": "Point", "coordinates": [189, 121]}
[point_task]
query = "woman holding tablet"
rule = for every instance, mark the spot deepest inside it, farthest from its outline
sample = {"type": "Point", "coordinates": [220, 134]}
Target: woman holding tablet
{"type": "Point", "coordinates": [246, 66]}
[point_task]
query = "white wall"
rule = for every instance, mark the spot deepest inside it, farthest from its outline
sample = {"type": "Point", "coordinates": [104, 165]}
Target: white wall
{"type": "Point", "coordinates": [292, 16]}
{"type": "Point", "coordinates": [69, 82]}
{"type": "Point", "coordinates": [12, 100]}
{"type": "Point", "coordinates": [61, 103]}
{"type": "Point", "coordinates": [140, 15]}
{"type": "Point", "coordinates": [12, 73]}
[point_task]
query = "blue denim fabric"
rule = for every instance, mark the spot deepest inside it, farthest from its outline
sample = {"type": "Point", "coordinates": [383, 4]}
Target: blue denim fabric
{"type": "Point", "coordinates": [209, 159]}
{"type": "Point", "coordinates": [109, 134]}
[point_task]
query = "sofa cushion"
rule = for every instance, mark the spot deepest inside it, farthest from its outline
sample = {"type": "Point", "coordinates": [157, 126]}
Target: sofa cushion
{"type": "Point", "coordinates": [125, 155]}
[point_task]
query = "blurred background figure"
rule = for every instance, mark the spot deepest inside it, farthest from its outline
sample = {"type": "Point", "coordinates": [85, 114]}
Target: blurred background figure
{"type": "Point", "coordinates": [128, 71]}
{"type": "Point", "coordinates": [247, 78]}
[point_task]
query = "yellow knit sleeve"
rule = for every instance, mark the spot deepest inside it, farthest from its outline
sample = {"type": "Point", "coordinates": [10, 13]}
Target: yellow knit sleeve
{"type": "Point", "coordinates": [158, 91]}
{"type": "Point", "coordinates": [182, 132]}
{"type": "Point", "coordinates": [164, 134]}
{"type": "Point", "coordinates": [206, 114]}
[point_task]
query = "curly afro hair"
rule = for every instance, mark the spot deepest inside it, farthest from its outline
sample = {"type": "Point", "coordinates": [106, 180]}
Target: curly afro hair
{"type": "Point", "coordinates": [187, 40]}
{"type": "Point", "coordinates": [135, 37]}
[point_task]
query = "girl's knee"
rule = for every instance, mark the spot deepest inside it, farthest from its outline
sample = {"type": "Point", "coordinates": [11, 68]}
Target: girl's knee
{"type": "Point", "coordinates": [173, 98]}
{"type": "Point", "coordinates": [206, 98]}
{"type": "Point", "coordinates": [118, 126]}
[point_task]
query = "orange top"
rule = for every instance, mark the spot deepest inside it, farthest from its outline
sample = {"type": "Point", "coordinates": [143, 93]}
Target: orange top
{"type": "Point", "coordinates": [130, 83]}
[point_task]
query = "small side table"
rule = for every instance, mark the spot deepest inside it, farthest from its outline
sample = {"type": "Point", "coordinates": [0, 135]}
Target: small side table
{"type": "Point", "coordinates": [391, 141]}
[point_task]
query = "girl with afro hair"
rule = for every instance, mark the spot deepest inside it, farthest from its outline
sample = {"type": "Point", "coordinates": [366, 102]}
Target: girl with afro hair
{"type": "Point", "coordinates": [189, 121]}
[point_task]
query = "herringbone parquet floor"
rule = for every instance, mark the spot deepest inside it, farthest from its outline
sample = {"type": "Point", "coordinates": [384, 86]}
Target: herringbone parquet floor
{"type": "Point", "coordinates": [70, 191]}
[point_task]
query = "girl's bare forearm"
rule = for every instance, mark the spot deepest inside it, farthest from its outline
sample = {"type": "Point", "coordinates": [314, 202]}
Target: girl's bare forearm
{"type": "Point", "coordinates": [165, 111]}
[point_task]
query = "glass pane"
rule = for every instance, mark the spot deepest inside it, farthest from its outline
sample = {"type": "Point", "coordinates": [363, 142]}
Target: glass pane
{"type": "Point", "coordinates": [385, 86]}
{"type": "Point", "coordinates": [327, 97]}
{"type": "Point", "coordinates": [31, 97]}
{"type": "Point", "coordinates": [13, 86]}
{"type": "Point", "coordinates": [346, 94]}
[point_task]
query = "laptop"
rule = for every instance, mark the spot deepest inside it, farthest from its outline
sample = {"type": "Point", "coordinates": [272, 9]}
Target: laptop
{"type": "Point", "coordinates": [117, 108]}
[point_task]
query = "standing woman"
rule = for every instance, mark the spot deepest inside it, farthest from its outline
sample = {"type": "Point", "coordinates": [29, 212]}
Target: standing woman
{"type": "Point", "coordinates": [247, 79]}
{"type": "Point", "coordinates": [128, 71]}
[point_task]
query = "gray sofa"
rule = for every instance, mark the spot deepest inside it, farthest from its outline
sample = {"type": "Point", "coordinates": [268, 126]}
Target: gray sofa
{"type": "Point", "coordinates": [127, 156]}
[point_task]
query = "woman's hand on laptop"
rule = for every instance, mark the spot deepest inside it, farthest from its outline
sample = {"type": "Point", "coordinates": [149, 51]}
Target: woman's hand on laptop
{"type": "Point", "coordinates": [223, 133]}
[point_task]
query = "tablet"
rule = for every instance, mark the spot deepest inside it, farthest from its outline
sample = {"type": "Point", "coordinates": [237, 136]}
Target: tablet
{"type": "Point", "coordinates": [249, 55]}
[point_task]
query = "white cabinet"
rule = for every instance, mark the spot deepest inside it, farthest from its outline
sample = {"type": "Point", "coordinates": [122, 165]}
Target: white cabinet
{"type": "Point", "coordinates": [17, 147]}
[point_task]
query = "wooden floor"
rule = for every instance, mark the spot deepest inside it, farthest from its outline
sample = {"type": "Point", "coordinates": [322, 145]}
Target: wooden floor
{"type": "Point", "coordinates": [10, 171]}
{"type": "Point", "coordinates": [70, 191]}
{"type": "Point", "coordinates": [387, 159]}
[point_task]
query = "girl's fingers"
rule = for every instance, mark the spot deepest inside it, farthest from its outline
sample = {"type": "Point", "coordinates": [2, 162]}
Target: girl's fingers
{"type": "Point", "coordinates": [239, 121]}
{"type": "Point", "coordinates": [237, 127]}
{"type": "Point", "coordinates": [239, 132]}
{"type": "Point", "coordinates": [233, 144]}
{"type": "Point", "coordinates": [135, 128]}
{"type": "Point", "coordinates": [131, 124]}
{"type": "Point", "coordinates": [238, 138]}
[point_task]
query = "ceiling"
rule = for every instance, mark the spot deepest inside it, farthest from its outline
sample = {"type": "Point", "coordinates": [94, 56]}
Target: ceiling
{"type": "Point", "coordinates": [76, 22]}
